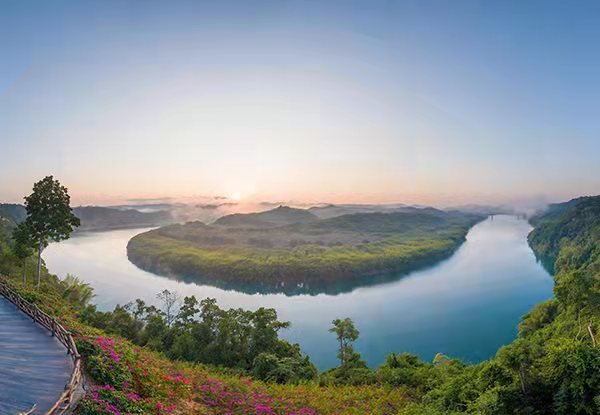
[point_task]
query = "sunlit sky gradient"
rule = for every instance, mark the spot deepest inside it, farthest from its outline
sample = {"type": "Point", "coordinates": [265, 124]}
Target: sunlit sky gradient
{"type": "Point", "coordinates": [434, 102]}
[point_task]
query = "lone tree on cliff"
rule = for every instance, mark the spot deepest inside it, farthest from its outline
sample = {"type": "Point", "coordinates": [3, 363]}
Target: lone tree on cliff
{"type": "Point", "coordinates": [49, 216]}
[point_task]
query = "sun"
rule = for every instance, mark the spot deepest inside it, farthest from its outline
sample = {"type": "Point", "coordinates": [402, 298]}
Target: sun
{"type": "Point", "coordinates": [235, 196]}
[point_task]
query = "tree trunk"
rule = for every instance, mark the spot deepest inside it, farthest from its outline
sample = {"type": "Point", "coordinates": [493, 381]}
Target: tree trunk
{"type": "Point", "coordinates": [522, 378]}
{"type": "Point", "coordinates": [39, 264]}
{"type": "Point", "coordinates": [591, 331]}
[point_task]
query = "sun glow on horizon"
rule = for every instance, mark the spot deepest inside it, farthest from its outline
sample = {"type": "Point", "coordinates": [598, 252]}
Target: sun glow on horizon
{"type": "Point", "coordinates": [262, 103]}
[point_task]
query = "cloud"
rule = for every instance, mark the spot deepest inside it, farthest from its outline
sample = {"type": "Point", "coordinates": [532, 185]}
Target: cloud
{"type": "Point", "coordinates": [292, 203]}
{"type": "Point", "coordinates": [272, 204]}
{"type": "Point", "coordinates": [213, 206]}
{"type": "Point", "coordinates": [151, 200]}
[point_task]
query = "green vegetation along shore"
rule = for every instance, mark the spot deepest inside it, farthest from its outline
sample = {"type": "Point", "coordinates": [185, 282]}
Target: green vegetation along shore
{"type": "Point", "coordinates": [285, 248]}
{"type": "Point", "coordinates": [201, 359]}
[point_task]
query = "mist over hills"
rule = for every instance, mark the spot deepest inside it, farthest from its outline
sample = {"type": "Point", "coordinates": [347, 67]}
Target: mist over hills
{"type": "Point", "coordinates": [96, 218]}
{"type": "Point", "coordinates": [223, 211]}
{"type": "Point", "coordinates": [13, 213]}
{"type": "Point", "coordinates": [282, 215]}
{"type": "Point", "coordinates": [291, 250]}
{"type": "Point", "coordinates": [103, 218]}
{"type": "Point", "coordinates": [332, 210]}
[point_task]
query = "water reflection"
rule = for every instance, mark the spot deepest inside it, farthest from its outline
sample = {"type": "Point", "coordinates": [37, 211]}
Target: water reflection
{"type": "Point", "coordinates": [465, 306]}
{"type": "Point", "coordinates": [308, 288]}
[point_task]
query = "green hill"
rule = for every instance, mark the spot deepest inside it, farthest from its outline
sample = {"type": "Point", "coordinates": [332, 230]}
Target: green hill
{"type": "Point", "coordinates": [561, 224]}
{"type": "Point", "coordinates": [331, 210]}
{"type": "Point", "coordinates": [253, 249]}
{"type": "Point", "coordinates": [283, 215]}
{"type": "Point", "coordinates": [13, 212]}
{"type": "Point", "coordinates": [97, 218]}
{"type": "Point", "coordinates": [551, 368]}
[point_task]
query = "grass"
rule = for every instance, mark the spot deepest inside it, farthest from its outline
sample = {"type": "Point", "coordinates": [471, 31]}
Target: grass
{"type": "Point", "coordinates": [129, 379]}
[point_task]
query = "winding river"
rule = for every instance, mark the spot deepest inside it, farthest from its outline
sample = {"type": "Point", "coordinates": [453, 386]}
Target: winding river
{"type": "Point", "coordinates": [466, 306]}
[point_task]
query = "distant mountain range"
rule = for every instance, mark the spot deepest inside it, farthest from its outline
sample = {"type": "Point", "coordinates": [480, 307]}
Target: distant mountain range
{"type": "Point", "coordinates": [283, 215]}
{"type": "Point", "coordinates": [95, 218]}
{"type": "Point", "coordinates": [331, 210]}
{"type": "Point", "coordinates": [104, 218]}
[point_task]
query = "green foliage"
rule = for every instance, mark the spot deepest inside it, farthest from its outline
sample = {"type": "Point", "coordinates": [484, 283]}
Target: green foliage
{"type": "Point", "coordinates": [554, 364]}
{"type": "Point", "coordinates": [572, 370]}
{"type": "Point", "coordinates": [13, 213]}
{"type": "Point", "coordinates": [542, 315]}
{"type": "Point", "coordinates": [553, 367]}
{"type": "Point", "coordinates": [23, 244]}
{"type": "Point", "coordinates": [313, 252]}
{"type": "Point", "coordinates": [294, 369]}
{"type": "Point", "coordinates": [283, 215]}
{"type": "Point", "coordinates": [49, 214]}
{"type": "Point", "coordinates": [407, 369]}
{"type": "Point", "coordinates": [348, 376]}
{"type": "Point", "coordinates": [75, 291]}
{"type": "Point", "coordinates": [49, 217]}
{"type": "Point", "coordinates": [346, 334]}
{"type": "Point", "coordinates": [203, 332]}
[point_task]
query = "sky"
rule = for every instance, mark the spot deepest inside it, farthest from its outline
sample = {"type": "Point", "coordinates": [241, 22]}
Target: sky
{"type": "Point", "coordinates": [434, 102]}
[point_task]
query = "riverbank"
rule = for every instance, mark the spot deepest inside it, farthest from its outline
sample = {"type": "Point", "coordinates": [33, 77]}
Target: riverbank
{"type": "Point", "coordinates": [405, 385]}
{"type": "Point", "coordinates": [473, 300]}
{"type": "Point", "coordinates": [247, 250]}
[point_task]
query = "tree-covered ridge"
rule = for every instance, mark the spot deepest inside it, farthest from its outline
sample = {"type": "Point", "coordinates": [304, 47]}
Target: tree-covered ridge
{"type": "Point", "coordinates": [105, 218]}
{"type": "Point", "coordinates": [553, 367]}
{"type": "Point", "coordinates": [97, 218]}
{"type": "Point", "coordinates": [135, 356]}
{"type": "Point", "coordinates": [283, 215]}
{"type": "Point", "coordinates": [313, 252]}
{"type": "Point", "coordinates": [13, 212]}
{"type": "Point", "coordinates": [570, 223]}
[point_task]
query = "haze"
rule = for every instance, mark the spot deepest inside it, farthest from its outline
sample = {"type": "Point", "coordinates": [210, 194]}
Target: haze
{"type": "Point", "coordinates": [416, 102]}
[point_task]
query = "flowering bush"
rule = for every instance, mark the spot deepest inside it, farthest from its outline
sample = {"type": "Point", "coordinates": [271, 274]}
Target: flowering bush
{"type": "Point", "coordinates": [134, 380]}
{"type": "Point", "coordinates": [107, 400]}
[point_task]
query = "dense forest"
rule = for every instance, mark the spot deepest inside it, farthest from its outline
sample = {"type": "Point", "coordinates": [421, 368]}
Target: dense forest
{"type": "Point", "coordinates": [287, 247]}
{"type": "Point", "coordinates": [553, 367]}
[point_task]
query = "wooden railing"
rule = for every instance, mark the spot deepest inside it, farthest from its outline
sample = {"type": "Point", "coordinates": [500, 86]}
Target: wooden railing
{"type": "Point", "coordinates": [66, 401]}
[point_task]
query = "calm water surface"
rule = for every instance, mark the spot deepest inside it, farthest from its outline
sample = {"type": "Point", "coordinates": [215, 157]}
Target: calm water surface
{"type": "Point", "coordinates": [466, 306]}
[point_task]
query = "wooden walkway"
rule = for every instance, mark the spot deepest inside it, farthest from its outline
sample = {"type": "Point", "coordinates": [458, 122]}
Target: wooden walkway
{"type": "Point", "coordinates": [34, 365]}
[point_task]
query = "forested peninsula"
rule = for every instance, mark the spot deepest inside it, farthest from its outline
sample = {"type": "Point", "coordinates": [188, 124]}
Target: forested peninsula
{"type": "Point", "coordinates": [201, 356]}
{"type": "Point", "coordinates": [286, 248]}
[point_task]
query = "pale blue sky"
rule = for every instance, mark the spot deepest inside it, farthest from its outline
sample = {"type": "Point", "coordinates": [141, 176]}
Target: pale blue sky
{"type": "Point", "coordinates": [417, 101]}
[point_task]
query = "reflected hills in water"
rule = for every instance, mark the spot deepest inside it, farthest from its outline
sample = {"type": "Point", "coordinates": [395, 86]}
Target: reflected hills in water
{"type": "Point", "coordinates": [311, 288]}
{"type": "Point", "coordinates": [294, 251]}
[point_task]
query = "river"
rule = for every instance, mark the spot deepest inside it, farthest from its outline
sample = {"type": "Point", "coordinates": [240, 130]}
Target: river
{"type": "Point", "coordinates": [466, 306]}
